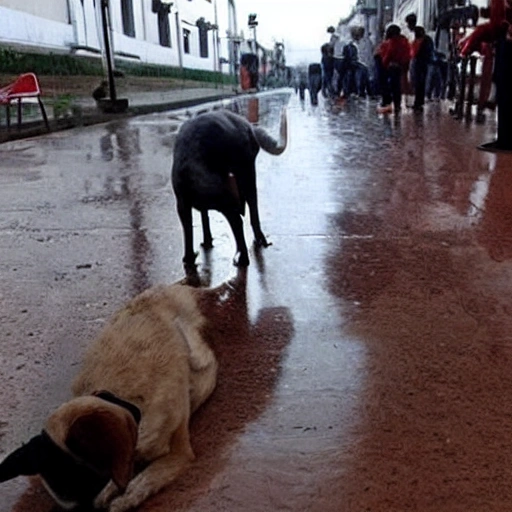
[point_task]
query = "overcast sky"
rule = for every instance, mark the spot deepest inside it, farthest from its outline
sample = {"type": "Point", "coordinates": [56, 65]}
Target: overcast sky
{"type": "Point", "coordinates": [300, 24]}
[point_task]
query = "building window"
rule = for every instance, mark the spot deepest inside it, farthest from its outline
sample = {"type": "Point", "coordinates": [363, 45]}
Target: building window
{"type": "Point", "coordinates": [186, 40]}
{"type": "Point", "coordinates": [164, 29]}
{"type": "Point", "coordinates": [128, 21]}
{"type": "Point", "coordinates": [203, 37]}
{"type": "Point", "coordinates": [162, 10]}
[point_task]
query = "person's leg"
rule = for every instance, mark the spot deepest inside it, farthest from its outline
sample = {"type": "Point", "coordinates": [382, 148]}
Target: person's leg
{"type": "Point", "coordinates": [324, 82]}
{"type": "Point", "coordinates": [412, 75]}
{"type": "Point", "coordinates": [386, 92]}
{"type": "Point", "coordinates": [443, 72]}
{"type": "Point", "coordinates": [373, 81]}
{"type": "Point", "coordinates": [395, 79]}
{"type": "Point", "coordinates": [347, 83]}
{"type": "Point", "coordinates": [340, 72]}
{"type": "Point", "coordinates": [302, 89]}
{"type": "Point", "coordinates": [386, 89]}
{"type": "Point", "coordinates": [377, 75]}
{"type": "Point", "coordinates": [504, 96]}
{"type": "Point", "coordinates": [330, 84]}
{"type": "Point", "coordinates": [431, 81]}
{"type": "Point", "coordinates": [315, 84]}
{"type": "Point", "coordinates": [503, 80]}
{"type": "Point", "coordinates": [384, 84]}
{"type": "Point", "coordinates": [437, 85]}
{"type": "Point", "coordinates": [362, 81]}
{"type": "Point", "coordinates": [419, 87]}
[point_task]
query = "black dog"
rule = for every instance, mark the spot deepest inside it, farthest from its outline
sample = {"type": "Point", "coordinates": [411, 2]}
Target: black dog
{"type": "Point", "coordinates": [214, 169]}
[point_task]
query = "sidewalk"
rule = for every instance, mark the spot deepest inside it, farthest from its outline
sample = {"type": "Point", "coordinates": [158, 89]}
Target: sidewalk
{"type": "Point", "coordinates": [82, 111]}
{"type": "Point", "coordinates": [364, 357]}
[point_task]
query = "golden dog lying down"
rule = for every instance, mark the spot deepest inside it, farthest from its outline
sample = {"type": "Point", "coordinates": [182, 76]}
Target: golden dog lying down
{"type": "Point", "coordinates": [141, 380]}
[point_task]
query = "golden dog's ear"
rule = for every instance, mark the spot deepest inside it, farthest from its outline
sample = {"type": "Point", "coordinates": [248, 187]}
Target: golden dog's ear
{"type": "Point", "coordinates": [106, 441]}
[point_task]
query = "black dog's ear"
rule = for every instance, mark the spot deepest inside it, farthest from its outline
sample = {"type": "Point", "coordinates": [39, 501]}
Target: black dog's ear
{"type": "Point", "coordinates": [23, 461]}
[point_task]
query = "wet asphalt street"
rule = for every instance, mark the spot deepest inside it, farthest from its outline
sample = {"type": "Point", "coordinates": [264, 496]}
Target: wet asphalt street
{"type": "Point", "coordinates": [364, 356]}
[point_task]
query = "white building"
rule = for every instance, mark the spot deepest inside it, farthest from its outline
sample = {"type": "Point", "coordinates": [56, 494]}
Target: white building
{"type": "Point", "coordinates": [196, 34]}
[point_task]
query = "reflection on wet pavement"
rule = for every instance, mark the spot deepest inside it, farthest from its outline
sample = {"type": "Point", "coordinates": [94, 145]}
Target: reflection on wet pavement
{"type": "Point", "coordinates": [364, 354]}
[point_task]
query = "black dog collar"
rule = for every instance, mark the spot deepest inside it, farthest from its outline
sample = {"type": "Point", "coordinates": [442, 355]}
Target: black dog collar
{"type": "Point", "coordinates": [114, 399]}
{"type": "Point", "coordinates": [69, 479]}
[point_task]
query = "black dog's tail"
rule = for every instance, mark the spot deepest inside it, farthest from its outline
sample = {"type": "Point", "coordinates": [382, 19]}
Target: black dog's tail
{"type": "Point", "coordinates": [268, 143]}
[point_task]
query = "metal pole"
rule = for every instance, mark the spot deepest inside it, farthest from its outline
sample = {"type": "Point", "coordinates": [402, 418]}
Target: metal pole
{"type": "Point", "coordinates": [459, 106]}
{"type": "Point", "coordinates": [216, 41]}
{"type": "Point", "coordinates": [113, 104]}
{"type": "Point", "coordinates": [108, 54]}
{"type": "Point", "coordinates": [379, 21]}
{"type": "Point", "coordinates": [179, 39]}
{"type": "Point", "coordinates": [471, 87]}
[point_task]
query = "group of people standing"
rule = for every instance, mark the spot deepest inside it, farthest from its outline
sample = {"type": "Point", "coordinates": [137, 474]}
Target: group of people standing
{"type": "Point", "coordinates": [344, 69]}
{"type": "Point", "coordinates": [402, 64]}
{"type": "Point", "coordinates": [394, 67]}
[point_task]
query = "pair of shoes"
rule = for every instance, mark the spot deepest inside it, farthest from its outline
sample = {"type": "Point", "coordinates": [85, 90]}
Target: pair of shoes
{"type": "Point", "coordinates": [495, 146]}
{"type": "Point", "coordinates": [385, 109]}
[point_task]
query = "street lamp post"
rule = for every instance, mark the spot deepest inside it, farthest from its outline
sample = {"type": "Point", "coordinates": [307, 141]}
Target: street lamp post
{"type": "Point", "coordinates": [252, 25]}
{"type": "Point", "coordinates": [112, 104]}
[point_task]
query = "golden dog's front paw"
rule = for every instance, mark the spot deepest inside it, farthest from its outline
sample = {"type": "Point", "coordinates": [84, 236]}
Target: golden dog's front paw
{"type": "Point", "coordinates": [124, 503]}
{"type": "Point", "coordinates": [136, 492]}
{"type": "Point", "coordinates": [106, 496]}
{"type": "Point", "coordinates": [118, 505]}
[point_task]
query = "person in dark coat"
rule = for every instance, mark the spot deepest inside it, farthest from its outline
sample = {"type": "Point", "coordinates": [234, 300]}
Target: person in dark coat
{"type": "Point", "coordinates": [422, 57]}
{"type": "Point", "coordinates": [327, 51]}
{"type": "Point", "coordinates": [314, 82]}
{"type": "Point", "coordinates": [357, 77]}
{"type": "Point", "coordinates": [437, 76]}
{"type": "Point", "coordinates": [302, 83]}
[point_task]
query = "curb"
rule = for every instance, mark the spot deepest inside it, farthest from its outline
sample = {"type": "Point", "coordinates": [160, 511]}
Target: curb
{"type": "Point", "coordinates": [87, 116]}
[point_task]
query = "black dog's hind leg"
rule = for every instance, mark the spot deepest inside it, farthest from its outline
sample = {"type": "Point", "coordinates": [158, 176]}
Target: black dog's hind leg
{"type": "Point", "coordinates": [185, 214]}
{"type": "Point", "coordinates": [252, 200]}
{"type": "Point", "coordinates": [241, 258]}
{"type": "Point", "coordinates": [207, 234]}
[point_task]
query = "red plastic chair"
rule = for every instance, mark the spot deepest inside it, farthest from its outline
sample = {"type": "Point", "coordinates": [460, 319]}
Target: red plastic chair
{"type": "Point", "coordinates": [25, 86]}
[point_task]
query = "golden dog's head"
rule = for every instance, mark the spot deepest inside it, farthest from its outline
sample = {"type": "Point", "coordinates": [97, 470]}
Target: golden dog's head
{"type": "Point", "coordinates": [86, 442]}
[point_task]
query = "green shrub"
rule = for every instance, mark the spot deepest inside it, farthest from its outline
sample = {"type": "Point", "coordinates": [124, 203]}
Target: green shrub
{"type": "Point", "coordinates": [15, 62]}
{"type": "Point", "coordinates": [152, 70]}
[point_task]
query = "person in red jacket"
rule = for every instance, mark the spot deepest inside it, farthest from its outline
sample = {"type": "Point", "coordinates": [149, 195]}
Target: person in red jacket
{"type": "Point", "coordinates": [498, 32]}
{"type": "Point", "coordinates": [392, 60]}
